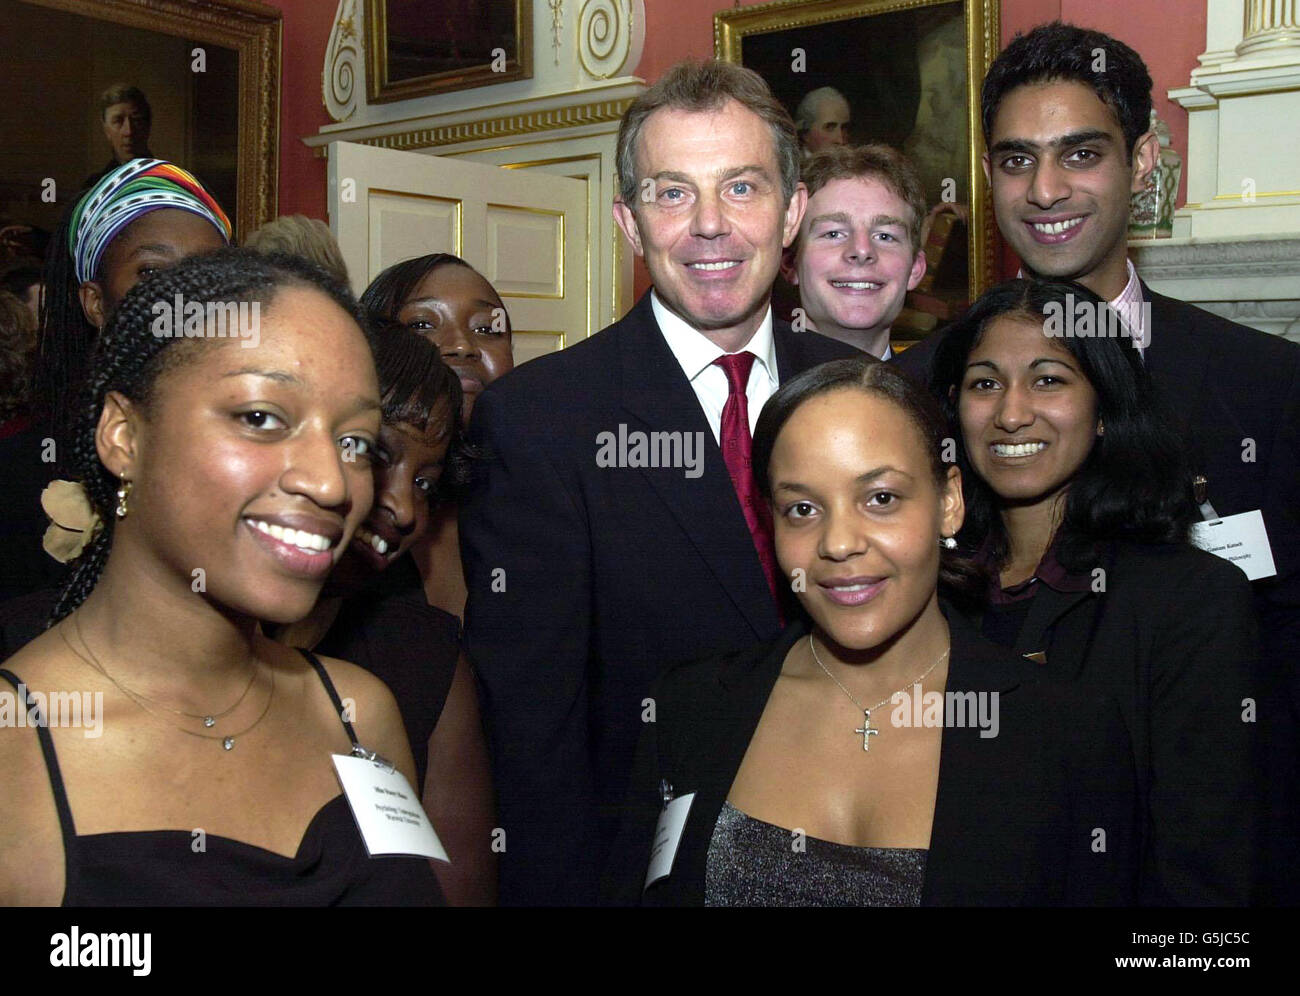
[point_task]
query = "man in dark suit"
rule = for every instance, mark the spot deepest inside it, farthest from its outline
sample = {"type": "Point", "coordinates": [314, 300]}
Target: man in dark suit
{"type": "Point", "coordinates": [1066, 114]}
{"type": "Point", "coordinates": [613, 529]}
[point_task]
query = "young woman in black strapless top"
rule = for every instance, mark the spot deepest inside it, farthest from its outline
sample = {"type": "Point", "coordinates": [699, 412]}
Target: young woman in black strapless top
{"type": "Point", "coordinates": [221, 485]}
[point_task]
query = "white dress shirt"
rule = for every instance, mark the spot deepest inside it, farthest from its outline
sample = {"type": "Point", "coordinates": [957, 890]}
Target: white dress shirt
{"type": "Point", "coordinates": [696, 355]}
{"type": "Point", "coordinates": [1129, 305]}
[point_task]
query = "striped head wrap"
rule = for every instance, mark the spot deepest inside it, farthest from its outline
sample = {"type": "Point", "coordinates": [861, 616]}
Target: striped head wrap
{"type": "Point", "coordinates": [133, 189]}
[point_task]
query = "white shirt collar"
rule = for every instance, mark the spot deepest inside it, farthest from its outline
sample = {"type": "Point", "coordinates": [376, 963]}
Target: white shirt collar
{"type": "Point", "coordinates": [696, 353]}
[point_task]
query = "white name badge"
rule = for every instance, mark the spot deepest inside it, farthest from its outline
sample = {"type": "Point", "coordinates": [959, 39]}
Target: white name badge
{"type": "Point", "coordinates": [668, 834]}
{"type": "Point", "coordinates": [1240, 539]}
{"type": "Point", "coordinates": [387, 810]}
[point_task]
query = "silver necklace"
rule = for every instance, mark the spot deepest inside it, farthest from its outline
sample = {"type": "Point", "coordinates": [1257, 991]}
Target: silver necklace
{"type": "Point", "coordinates": [867, 730]}
{"type": "Point", "coordinates": [142, 700]}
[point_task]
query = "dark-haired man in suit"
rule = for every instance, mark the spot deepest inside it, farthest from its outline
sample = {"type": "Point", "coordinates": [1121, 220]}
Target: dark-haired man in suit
{"type": "Point", "coordinates": [615, 528]}
{"type": "Point", "coordinates": [1068, 143]}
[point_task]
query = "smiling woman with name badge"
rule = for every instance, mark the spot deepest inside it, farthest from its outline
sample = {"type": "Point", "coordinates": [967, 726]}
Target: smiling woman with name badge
{"type": "Point", "coordinates": [216, 487]}
{"type": "Point", "coordinates": [1078, 502]}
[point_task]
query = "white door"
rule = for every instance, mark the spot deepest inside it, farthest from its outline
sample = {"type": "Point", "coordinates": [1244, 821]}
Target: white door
{"type": "Point", "coordinates": [525, 232]}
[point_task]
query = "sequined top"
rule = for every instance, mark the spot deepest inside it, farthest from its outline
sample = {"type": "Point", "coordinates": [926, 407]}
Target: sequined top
{"type": "Point", "coordinates": [752, 863]}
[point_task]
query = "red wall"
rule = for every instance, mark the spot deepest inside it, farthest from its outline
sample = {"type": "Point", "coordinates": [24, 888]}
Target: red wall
{"type": "Point", "coordinates": [305, 33]}
{"type": "Point", "coordinates": [1168, 34]}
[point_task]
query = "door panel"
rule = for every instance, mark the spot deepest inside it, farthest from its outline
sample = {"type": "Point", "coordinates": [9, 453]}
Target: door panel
{"type": "Point", "coordinates": [525, 232]}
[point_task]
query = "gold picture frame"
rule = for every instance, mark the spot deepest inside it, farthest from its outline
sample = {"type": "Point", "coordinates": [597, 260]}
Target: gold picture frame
{"type": "Point", "coordinates": [252, 30]}
{"type": "Point", "coordinates": [387, 80]}
{"type": "Point", "coordinates": [773, 30]}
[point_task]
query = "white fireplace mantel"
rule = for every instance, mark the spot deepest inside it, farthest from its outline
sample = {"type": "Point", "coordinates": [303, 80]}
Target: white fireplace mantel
{"type": "Point", "coordinates": [1236, 244]}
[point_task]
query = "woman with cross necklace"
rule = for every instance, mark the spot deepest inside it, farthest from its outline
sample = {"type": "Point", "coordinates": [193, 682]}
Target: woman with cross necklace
{"type": "Point", "coordinates": [880, 751]}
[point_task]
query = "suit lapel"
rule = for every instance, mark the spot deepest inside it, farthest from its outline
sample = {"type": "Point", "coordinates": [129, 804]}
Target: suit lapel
{"type": "Point", "coordinates": [1176, 358]}
{"type": "Point", "coordinates": [658, 397]}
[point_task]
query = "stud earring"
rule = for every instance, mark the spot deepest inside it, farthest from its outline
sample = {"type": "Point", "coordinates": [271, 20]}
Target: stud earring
{"type": "Point", "coordinates": [948, 543]}
{"type": "Point", "coordinates": [123, 493]}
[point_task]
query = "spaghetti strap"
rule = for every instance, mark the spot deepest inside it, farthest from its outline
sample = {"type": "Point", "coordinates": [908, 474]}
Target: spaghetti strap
{"type": "Point", "coordinates": [35, 718]}
{"type": "Point", "coordinates": [314, 661]}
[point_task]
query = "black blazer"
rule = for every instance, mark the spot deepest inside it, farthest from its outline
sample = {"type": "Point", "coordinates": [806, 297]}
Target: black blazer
{"type": "Point", "coordinates": [1016, 816]}
{"type": "Point", "coordinates": [583, 580]}
{"type": "Point", "coordinates": [1228, 384]}
{"type": "Point", "coordinates": [1172, 639]}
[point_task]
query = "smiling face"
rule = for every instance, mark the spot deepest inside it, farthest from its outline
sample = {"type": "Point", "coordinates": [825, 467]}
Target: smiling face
{"type": "Point", "coordinates": [856, 506]}
{"type": "Point", "coordinates": [152, 242]}
{"type": "Point", "coordinates": [1061, 181]}
{"type": "Point", "coordinates": [127, 127]}
{"type": "Point", "coordinates": [856, 261]}
{"type": "Point", "coordinates": [831, 126]}
{"type": "Point", "coordinates": [458, 310]}
{"type": "Point", "coordinates": [407, 469]}
{"type": "Point", "coordinates": [716, 221]}
{"type": "Point", "coordinates": [254, 464]}
{"type": "Point", "coordinates": [1028, 415]}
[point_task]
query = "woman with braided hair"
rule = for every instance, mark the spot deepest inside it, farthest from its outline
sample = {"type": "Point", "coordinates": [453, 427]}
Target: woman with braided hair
{"type": "Point", "coordinates": [140, 217]}
{"type": "Point", "coordinates": [221, 485]}
{"type": "Point", "coordinates": [144, 215]}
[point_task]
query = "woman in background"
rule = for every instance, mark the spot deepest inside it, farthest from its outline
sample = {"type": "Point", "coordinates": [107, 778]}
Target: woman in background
{"type": "Point", "coordinates": [142, 216]}
{"type": "Point", "coordinates": [443, 298]}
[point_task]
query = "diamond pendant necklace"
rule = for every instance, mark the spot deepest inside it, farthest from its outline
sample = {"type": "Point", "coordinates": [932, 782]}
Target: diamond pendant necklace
{"type": "Point", "coordinates": [139, 698]}
{"type": "Point", "coordinates": [867, 730]}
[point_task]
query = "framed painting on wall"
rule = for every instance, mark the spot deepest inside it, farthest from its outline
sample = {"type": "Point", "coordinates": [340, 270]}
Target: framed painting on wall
{"type": "Point", "coordinates": [211, 74]}
{"type": "Point", "coordinates": [910, 72]}
{"type": "Point", "coordinates": [419, 47]}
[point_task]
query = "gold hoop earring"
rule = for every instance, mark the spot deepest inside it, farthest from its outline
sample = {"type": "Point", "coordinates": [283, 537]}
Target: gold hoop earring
{"type": "Point", "coordinates": [123, 493]}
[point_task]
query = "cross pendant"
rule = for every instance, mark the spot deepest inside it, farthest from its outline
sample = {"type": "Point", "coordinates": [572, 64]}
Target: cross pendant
{"type": "Point", "coordinates": [867, 730]}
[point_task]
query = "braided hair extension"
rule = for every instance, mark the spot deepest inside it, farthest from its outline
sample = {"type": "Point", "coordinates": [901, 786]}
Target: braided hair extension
{"type": "Point", "coordinates": [65, 338]}
{"type": "Point", "coordinates": [128, 358]}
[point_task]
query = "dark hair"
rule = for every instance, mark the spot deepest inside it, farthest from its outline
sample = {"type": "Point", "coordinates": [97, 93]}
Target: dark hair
{"type": "Point", "coordinates": [17, 342]}
{"type": "Point", "coordinates": [389, 291]}
{"type": "Point", "coordinates": [121, 93]}
{"type": "Point", "coordinates": [706, 86]}
{"type": "Point", "coordinates": [1135, 483]}
{"type": "Point", "coordinates": [18, 275]}
{"type": "Point", "coordinates": [415, 386]}
{"type": "Point", "coordinates": [65, 338]}
{"type": "Point", "coordinates": [961, 578]}
{"type": "Point", "coordinates": [128, 358]}
{"type": "Point", "coordinates": [1058, 51]}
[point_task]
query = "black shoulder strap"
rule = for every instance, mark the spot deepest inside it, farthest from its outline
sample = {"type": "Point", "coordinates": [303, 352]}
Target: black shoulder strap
{"type": "Point", "coordinates": [51, 759]}
{"type": "Point", "coordinates": [314, 661]}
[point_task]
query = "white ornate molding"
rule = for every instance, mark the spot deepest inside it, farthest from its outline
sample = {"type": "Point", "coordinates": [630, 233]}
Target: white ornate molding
{"type": "Point", "coordinates": [341, 79]}
{"type": "Point", "coordinates": [1252, 281]}
{"type": "Point", "coordinates": [611, 36]}
{"type": "Point", "coordinates": [563, 120]}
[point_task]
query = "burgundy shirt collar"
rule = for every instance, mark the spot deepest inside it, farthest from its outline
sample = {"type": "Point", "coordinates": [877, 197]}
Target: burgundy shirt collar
{"type": "Point", "coordinates": [1049, 572]}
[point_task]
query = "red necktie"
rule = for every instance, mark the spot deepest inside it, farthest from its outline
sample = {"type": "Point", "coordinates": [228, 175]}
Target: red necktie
{"type": "Point", "coordinates": [736, 452]}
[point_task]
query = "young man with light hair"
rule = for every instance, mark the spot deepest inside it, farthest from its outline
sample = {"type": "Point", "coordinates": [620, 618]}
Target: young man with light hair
{"type": "Point", "coordinates": [858, 251]}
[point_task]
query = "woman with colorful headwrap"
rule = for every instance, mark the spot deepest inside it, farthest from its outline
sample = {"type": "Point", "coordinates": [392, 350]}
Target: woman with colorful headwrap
{"type": "Point", "coordinates": [145, 215]}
